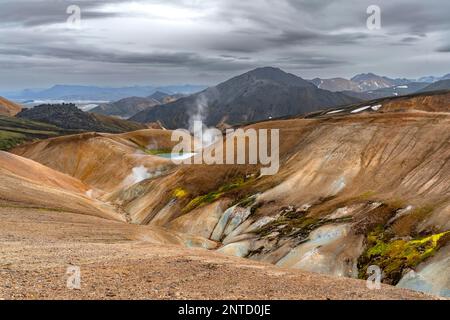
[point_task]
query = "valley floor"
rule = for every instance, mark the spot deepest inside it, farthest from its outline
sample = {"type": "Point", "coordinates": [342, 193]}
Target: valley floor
{"type": "Point", "coordinates": [121, 261]}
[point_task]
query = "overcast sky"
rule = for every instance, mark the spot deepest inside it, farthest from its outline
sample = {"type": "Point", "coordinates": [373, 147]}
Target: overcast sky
{"type": "Point", "coordinates": [207, 41]}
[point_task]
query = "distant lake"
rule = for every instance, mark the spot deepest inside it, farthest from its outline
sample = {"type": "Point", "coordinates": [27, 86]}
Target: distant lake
{"type": "Point", "coordinates": [176, 156]}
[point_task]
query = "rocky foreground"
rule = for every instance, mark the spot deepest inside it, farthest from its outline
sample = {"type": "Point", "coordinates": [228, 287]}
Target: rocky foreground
{"type": "Point", "coordinates": [121, 261]}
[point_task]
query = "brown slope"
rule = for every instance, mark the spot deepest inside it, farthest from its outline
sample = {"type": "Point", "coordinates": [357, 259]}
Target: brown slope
{"type": "Point", "coordinates": [45, 229]}
{"type": "Point", "coordinates": [9, 108]}
{"type": "Point", "coordinates": [103, 161]}
{"type": "Point", "coordinates": [28, 184]}
{"type": "Point", "coordinates": [34, 171]}
{"type": "Point", "coordinates": [361, 138]}
{"type": "Point", "coordinates": [438, 101]}
{"type": "Point", "coordinates": [341, 178]}
{"type": "Point", "coordinates": [347, 174]}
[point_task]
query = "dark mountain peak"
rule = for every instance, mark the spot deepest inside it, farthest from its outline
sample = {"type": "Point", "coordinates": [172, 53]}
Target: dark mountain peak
{"type": "Point", "coordinates": [257, 95]}
{"type": "Point", "coordinates": [272, 74]}
{"type": "Point", "coordinates": [266, 71]}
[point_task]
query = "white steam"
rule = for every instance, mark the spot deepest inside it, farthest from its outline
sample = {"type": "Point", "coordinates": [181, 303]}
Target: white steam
{"type": "Point", "coordinates": [206, 136]}
{"type": "Point", "coordinates": [141, 173]}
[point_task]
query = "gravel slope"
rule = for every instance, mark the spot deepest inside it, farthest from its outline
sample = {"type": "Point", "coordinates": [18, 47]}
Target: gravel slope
{"type": "Point", "coordinates": [120, 261]}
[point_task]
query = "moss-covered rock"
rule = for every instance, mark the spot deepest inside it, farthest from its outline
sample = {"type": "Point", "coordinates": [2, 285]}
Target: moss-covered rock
{"type": "Point", "coordinates": [295, 223]}
{"type": "Point", "coordinates": [395, 256]}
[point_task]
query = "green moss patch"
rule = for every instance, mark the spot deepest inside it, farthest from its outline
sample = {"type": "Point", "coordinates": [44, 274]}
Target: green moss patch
{"type": "Point", "coordinates": [215, 195]}
{"type": "Point", "coordinates": [394, 256]}
{"type": "Point", "coordinates": [9, 140]}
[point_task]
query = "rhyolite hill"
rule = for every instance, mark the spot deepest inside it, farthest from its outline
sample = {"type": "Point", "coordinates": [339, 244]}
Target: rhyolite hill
{"type": "Point", "coordinates": [68, 116]}
{"type": "Point", "coordinates": [361, 185]}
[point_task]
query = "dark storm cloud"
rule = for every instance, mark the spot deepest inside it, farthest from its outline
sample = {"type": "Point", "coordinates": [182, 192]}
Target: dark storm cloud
{"type": "Point", "coordinates": [417, 17]}
{"type": "Point", "coordinates": [184, 40]}
{"type": "Point", "coordinates": [177, 59]}
{"type": "Point", "coordinates": [294, 37]}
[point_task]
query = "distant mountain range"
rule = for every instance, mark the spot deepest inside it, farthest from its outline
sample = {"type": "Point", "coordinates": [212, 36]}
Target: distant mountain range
{"type": "Point", "coordinates": [437, 86]}
{"type": "Point", "coordinates": [371, 82]}
{"type": "Point", "coordinates": [399, 90]}
{"type": "Point", "coordinates": [260, 94]}
{"type": "Point", "coordinates": [336, 84]}
{"type": "Point", "coordinates": [359, 83]}
{"type": "Point", "coordinates": [431, 79]}
{"type": "Point", "coordinates": [93, 93]}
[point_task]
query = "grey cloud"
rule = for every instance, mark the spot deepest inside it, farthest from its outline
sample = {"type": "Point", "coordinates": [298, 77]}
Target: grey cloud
{"type": "Point", "coordinates": [33, 13]}
{"type": "Point", "coordinates": [290, 38]}
{"type": "Point", "coordinates": [417, 17]}
{"type": "Point", "coordinates": [311, 62]}
{"type": "Point", "coordinates": [186, 59]}
{"type": "Point", "coordinates": [313, 37]}
{"type": "Point", "coordinates": [410, 39]}
{"type": "Point", "coordinates": [444, 49]}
